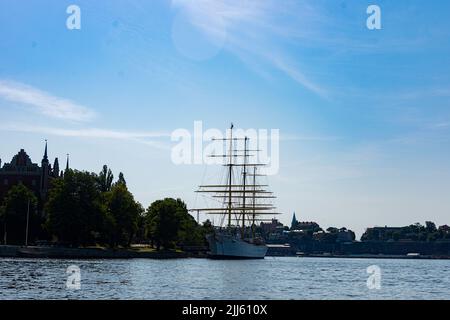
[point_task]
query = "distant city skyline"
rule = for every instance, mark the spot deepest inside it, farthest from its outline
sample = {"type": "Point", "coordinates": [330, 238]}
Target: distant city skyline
{"type": "Point", "coordinates": [363, 114]}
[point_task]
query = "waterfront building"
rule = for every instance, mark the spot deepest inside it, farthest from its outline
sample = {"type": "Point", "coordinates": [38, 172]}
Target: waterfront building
{"type": "Point", "coordinates": [35, 177]}
{"type": "Point", "coordinates": [307, 226]}
{"type": "Point", "coordinates": [294, 222]}
{"type": "Point", "coordinates": [273, 226]}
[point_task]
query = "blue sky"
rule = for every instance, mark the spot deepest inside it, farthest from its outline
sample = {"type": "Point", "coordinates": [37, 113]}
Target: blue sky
{"type": "Point", "coordinates": [364, 115]}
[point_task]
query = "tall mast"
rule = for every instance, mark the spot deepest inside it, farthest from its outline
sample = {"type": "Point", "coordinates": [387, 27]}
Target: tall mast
{"type": "Point", "coordinates": [239, 201]}
{"type": "Point", "coordinates": [254, 201]}
{"type": "Point", "coordinates": [230, 176]}
{"type": "Point", "coordinates": [244, 185]}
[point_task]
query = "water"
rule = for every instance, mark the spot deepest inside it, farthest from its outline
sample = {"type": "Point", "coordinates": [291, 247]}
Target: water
{"type": "Point", "coordinates": [271, 278]}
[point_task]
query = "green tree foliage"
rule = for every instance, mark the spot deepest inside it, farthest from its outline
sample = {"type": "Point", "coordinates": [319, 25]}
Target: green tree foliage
{"type": "Point", "coordinates": [140, 236]}
{"type": "Point", "coordinates": [330, 236]}
{"type": "Point", "coordinates": [430, 226]}
{"type": "Point", "coordinates": [84, 208]}
{"type": "Point", "coordinates": [164, 221]}
{"type": "Point", "coordinates": [190, 233]}
{"type": "Point", "coordinates": [76, 214]}
{"type": "Point", "coordinates": [168, 223]}
{"type": "Point", "coordinates": [414, 232]}
{"type": "Point", "coordinates": [333, 230]}
{"type": "Point", "coordinates": [105, 179]}
{"type": "Point", "coordinates": [352, 235]}
{"type": "Point", "coordinates": [13, 215]}
{"type": "Point", "coordinates": [207, 227]}
{"type": "Point", "coordinates": [121, 179]}
{"type": "Point", "coordinates": [123, 215]}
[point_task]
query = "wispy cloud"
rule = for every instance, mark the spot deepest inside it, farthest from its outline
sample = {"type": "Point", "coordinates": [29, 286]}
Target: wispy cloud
{"type": "Point", "coordinates": [157, 139]}
{"type": "Point", "coordinates": [442, 125]}
{"type": "Point", "coordinates": [258, 31]}
{"type": "Point", "coordinates": [43, 102]}
{"type": "Point", "coordinates": [298, 76]}
{"type": "Point", "coordinates": [148, 138]}
{"type": "Point", "coordinates": [296, 137]}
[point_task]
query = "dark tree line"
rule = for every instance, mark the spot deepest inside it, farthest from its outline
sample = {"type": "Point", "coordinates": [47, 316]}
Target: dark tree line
{"type": "Point", "coordinates": [84, 209]}
{"type": "Point", "coordinates": [168, 223]}
{"type": "Point", "coordinates": [415, 232]}
{"type": "Point", "coordinates": [18, 203]}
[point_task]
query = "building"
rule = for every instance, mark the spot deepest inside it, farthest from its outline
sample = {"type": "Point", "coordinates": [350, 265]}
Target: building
{"type": "Point", "coordinates": [294, 222]}
{"type": "Point", "coordinates": [306, 226]}
{"type": "Point", "coordinates": [273, 226]}
{"type": "Point", "coordinates": [22, 170]}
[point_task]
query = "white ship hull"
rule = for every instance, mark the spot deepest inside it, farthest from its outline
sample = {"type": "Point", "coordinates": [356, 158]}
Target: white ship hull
{"type": "Point", "coordinates": [227, 246]}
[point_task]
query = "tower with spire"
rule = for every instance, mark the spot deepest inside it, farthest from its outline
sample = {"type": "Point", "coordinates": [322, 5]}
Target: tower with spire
{"type": "Point", "coordinates": [56, 168]}
{"type": "Point", "coordinates": [47, 173]}
{"type": "Point", "coordinates": [45, 167]}
{"type": "Point", "coordinates": [294, 222]}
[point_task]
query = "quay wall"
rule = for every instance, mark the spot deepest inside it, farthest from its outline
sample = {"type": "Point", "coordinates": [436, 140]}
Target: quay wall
{"type": "Point", "coordinates": [85, 253]}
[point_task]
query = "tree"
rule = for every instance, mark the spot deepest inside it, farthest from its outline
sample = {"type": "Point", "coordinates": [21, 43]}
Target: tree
{"type": "Point", "coordinates": [330, 236]}
{"type": "Point", "coordinates": [123, 214]}
{"type": "Point", "coordinates": [163, 220]}
{"type": "Point", "coordinates": [76, 214]}
{"type": "Point", "coordinates": [105, 179]}
{"type": "Point", "coordinates": [168, 223]}
{"type": "Point", "coordinates": [140, 235]}
{"type": "Point", "coordinates": [352, 235]}
{"type": "Point", "coordinates": [430, 226]}
{"type": "Point", "coordinates": [332, 230]}
{"type": "Point", "coordinates": [190, 233]}
{"type": "Point", "coordinates": [371, 234]}
{"type": "Point", "coordinates": [207, 227]}
{"type": "Point", "coordinates": [18, 202]}
{"type": "Point", "coordinates": [121, 179]}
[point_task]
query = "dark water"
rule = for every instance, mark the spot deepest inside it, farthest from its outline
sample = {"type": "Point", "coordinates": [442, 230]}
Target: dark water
{"type": "Point", "coordinates": [271, 278]}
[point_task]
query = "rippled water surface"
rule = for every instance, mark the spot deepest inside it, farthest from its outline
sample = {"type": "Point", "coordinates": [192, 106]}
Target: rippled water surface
{"type": "Point", "coordinates": [271, 278]}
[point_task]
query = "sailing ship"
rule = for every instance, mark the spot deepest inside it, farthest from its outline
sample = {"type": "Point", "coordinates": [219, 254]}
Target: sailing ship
{"type": "Point", "coordinates": [243, 202]}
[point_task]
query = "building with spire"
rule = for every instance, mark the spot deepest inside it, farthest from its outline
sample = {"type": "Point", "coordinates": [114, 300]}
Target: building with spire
{"type": "Point", "coordinates": [294, 222]}
{"type": "Point", "coordinates": [22, 170]}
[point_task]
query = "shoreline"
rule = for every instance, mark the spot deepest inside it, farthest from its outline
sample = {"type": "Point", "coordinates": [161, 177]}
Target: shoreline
{"type": "Point", "coordinates": [38, 252]}
{"type": "Point", "coordinates": [11, 251]}
{"type": "Point", "coordinates": [376, 256]}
